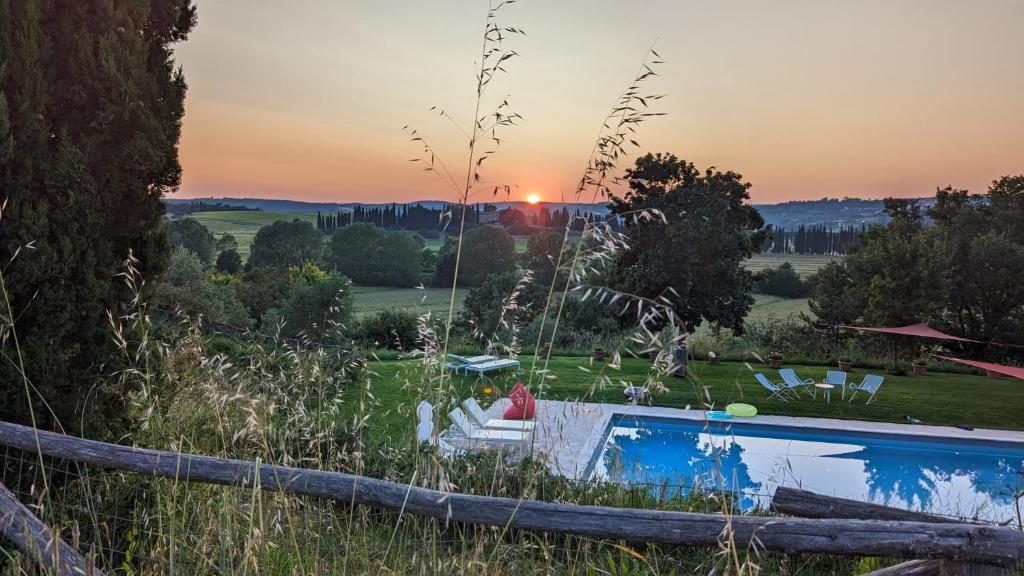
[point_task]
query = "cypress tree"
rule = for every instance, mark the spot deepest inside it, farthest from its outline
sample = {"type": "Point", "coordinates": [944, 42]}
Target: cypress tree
{"type": "Point", "coordinates": [90, 117]}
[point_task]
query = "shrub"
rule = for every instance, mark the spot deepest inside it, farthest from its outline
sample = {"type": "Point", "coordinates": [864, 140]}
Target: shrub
{"type": "Point", "coordinates": [229, 262]}
{"type": "Point", "coordinates": [187, 286]}
{"type": "Point", "coordinates": [485, 306]}
{"type": "Point", "coordinates": [318, 309]}
{"type": "Point", "coordinates": [261, 289]}
{"type": "Point", "coordinates": [396, 329]}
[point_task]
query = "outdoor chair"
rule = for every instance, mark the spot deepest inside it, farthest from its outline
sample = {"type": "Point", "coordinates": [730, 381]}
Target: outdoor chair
{"type": "Point", "coordinates": [793, 382]}
{"type": "Point", "coordinates": [836, 378]}
{"type": "Point", "coordinates": [870, 385]}
{"type": "Point", "coordinates": [777, 392]}
{"type": "Point", "coordinates": [480, 419]}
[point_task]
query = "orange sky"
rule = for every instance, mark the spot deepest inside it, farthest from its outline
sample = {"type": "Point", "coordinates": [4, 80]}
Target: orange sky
{"type": "Point", "coordinates": [306, 99]}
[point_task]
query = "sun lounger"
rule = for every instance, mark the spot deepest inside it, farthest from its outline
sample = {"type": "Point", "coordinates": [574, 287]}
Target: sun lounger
{"type": "Point", "coordinates": [491, 366]}
{"type": "Point", "coordinates": [480, 419]}
{"type": "Point", "coordinates": [793, 382]}
{"type": "Point", "coordinates": [777, 391]}
{"type": "Point", "coordinates": [870, 385]}
{"type": "Point", "coordinates": [465, 427]}
{"type": "Point", "coordinates": [460, 362]}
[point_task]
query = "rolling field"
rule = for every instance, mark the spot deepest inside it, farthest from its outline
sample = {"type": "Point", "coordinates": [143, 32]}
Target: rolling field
{"type": "Point", "coordinates": [244, 224]}
{"type": "Point", "coordinates": [780, 308]}
{"type": "Point", "coordinates": [804, 264]}
{"type": "Point", "coordinates": [371, 299]}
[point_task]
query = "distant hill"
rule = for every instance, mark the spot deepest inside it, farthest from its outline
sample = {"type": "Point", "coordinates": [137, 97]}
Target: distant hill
{"type": "Point", "coordinates": [832, 213]}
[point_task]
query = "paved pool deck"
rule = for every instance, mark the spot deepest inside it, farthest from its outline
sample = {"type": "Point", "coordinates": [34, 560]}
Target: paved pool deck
{"type": "Point", "coordinates": [569, 432]}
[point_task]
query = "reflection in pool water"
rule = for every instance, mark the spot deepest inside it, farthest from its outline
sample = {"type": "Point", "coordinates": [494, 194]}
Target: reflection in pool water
{"type": "Point", "coordinates": [941, 476]}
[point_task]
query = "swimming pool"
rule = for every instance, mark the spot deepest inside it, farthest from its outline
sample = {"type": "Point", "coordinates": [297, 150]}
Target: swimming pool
{"type": "Point", "coordinates": [944, 476]}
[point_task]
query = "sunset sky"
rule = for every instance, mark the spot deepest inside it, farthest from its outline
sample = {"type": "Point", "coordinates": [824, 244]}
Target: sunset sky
{"type": "Point", "coordinates": [306, 99]}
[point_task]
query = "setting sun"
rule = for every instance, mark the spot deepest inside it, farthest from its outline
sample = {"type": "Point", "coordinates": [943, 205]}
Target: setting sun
{"type": "Point", "coordinates": [533, 198]}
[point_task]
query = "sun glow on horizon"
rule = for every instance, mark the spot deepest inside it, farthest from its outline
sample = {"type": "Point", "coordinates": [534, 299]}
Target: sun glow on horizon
{"type": "Point", "coordinates": [533, 198]}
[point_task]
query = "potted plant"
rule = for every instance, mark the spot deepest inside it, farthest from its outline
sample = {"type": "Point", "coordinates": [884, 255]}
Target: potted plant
{"type": "Point", "coordinates": [775, 360]}
{"type": "Point", "coordinates": [920, 365]}
{"type": "Point", "coordinates": [598, 353]}
{"type": "Point", "coordinates": [714, 359]}
{"type": "Point", "coordinates": [844, 364]}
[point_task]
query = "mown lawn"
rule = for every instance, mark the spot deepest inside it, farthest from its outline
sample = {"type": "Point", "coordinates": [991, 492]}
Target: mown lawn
{"type": "Point", "coordinates": [935, 398]}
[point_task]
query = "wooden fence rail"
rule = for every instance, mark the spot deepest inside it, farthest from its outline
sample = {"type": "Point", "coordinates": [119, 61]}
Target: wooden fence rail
{"type": "Point", "coordinates": [30, 535]}
{"type": "Point", "coordinates": [993, 545]}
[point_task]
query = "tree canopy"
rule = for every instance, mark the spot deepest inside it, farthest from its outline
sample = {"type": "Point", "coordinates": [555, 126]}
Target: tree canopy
{"type": "Point", "coordinates": [542, 253]}
{"type": "Point", "coordinates": [371, 256]}
{"type": "Point", "coordinates": [90, 116]}
{"type": "Point", "coordinates": [691, 251]}
{"type": "Point", "coordinates": [284, 244]}
{"type": "Point", "coordinates": [190, 234]}
{"type": "Point", "coordinates": [485, 250]}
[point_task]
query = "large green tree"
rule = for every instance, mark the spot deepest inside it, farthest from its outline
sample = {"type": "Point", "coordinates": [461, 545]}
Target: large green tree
{"type": "Point", "coordinates": [485, 250]}
{"type": "Point", "coordinates": [691, 250]}
{"type": "Point", "coordinates": [191, 235]}
{"type": "Point", "coordinates": [90, 116]}
{"type": "Point", "coordinates": [283, 244]}
{"type": "Point", "coordinates": [542, 255]}
{"type": "Point", "coordinates": [370, 256]}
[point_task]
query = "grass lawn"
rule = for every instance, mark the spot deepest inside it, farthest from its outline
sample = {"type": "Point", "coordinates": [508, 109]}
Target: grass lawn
{"type": "Point", "coordinates": [780, 308]}
{"type": "Point", "coordinates": [935, 398]}
{"type": "Point", "coordinates": [244, 224]}
{"type": "Point", "coordinates": [368, 300]}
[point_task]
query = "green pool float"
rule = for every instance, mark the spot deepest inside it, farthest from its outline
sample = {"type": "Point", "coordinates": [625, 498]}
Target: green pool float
{"type": "Point", "coordinates": [741, 410]}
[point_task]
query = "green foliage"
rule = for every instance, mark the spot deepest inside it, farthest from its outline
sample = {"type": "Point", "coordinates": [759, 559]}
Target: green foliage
{"type": "Point", "coordinates": [542, 253]}
{"type": "Point", "coordinates": [186, 286]}
{"type": "Point", "coordinates": [318, 309]}
{"type": "Point", "coordinates": [227, 242]}
{"type": "Point", "coordinates": [371, 256]}
{"type": "Point", "coordinates": [261, 289]}
{"type": "Point", "coordinates": [284, 244]}
{"type": "Point", "coordinates": [837, 299]}
{"type": "Point", "coordinates": [396, 329]}
{"type": "Point", "coordinates": [692, 251]}
{"type": "Point", "coordinates": [485, 250]}
{"type": "Point", "coordinates": [229, 262]}
{"type": "Point", "coordinates": [90, 116]}
{"type": "Point", "coordinates": [191, 235]}
{"type": "Point", "coordinates": [981, 237]}
{"type": "Point", "coordinates": [782, 281]}
{"type": "Point", "coordinates": [306, 273]}
{"type": "Point", "coordinates": [502, 298]}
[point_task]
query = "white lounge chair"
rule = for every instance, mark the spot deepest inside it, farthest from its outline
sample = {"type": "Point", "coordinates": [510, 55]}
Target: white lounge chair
{"type": "Point", "coordinates": [480, 419]}
{"type": "Point", "coordinates": [793, 382]}
{"type": "Point", "coordinates": [777, 392]}
{"type": "Point", "coordinates": [505, 437]}
{"type": "Point", "coordinates": [491, 366]}
{"type": "Point", "coordinates": [460, 362]}
{"type": "Point", "coordinates": [870, 385]}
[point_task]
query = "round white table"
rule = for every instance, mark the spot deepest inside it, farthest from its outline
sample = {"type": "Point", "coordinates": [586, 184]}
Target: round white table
{"type": "Point", "coordinates": [827, 388]}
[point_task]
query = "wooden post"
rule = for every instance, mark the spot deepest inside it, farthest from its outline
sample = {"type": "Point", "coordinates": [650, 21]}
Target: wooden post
{"type": "Point", "coordinates": [795, 502]}
{"type": "Point", "coordinates": [35, 539]}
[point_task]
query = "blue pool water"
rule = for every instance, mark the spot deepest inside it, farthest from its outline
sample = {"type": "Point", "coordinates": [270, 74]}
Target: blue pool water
{"type": "Point", "coordinates": [941, 476]}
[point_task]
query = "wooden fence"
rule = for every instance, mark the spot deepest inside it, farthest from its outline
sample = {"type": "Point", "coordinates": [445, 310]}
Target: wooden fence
{"type": "Point", "coordinates": [847, 528]}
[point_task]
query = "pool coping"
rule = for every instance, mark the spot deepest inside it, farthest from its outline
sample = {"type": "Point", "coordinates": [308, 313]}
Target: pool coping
{"type": "Point", "coordinates": [598, 434]}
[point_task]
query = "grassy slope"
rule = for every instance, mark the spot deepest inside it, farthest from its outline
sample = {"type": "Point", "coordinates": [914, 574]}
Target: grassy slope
{"type": "Point", "coordinates": [371, 299]}
{"type": "Point", "coordinates": [780, 308]}
{"type": "Point", "coordinates": [804, 265]}
{"type": "Point", "coordinates": [936, 398]}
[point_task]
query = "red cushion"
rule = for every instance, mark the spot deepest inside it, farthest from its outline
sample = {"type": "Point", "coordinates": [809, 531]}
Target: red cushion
{"type": "Point", "coordinates": [523, 404]}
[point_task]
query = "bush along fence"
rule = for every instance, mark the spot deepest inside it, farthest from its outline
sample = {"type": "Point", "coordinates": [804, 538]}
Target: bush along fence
{"type": "Point", "coordinates": [934, 545]}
